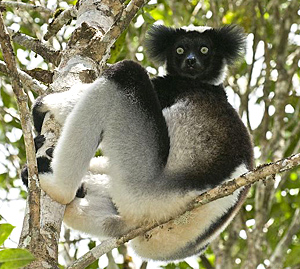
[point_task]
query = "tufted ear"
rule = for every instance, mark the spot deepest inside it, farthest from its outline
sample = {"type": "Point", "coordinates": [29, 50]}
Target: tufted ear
{"type": "Point", "coordinates": [230, 41]}
{"type": "Point", "coordinates": [159, 41]}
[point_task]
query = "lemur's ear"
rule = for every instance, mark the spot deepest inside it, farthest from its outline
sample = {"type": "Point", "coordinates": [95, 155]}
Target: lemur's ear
{"type": "Point", "coordinates": [230, 41]}
{"type": "Point", "coordinates": [159, 41]}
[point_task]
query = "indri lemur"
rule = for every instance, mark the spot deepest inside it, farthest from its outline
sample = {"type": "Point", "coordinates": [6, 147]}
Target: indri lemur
{"type": "Point", "coordinates": [165, 140]}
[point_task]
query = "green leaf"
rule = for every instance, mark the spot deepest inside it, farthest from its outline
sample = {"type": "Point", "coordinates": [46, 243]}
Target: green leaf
{"type": "Point", "coordinates": [148, 18]}
{"type": "Point", "coordinates": [117, 48]}
{"type": "Point", "coordinates": [14, 258]}
{"type": "Point", "coordinates": [6, 98]}
{"type": "Point", "coordinates": [5, 231]}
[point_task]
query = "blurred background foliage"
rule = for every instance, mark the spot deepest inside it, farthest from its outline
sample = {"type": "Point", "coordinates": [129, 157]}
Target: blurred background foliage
{"type": "Point", "coordinates": [264, 87]}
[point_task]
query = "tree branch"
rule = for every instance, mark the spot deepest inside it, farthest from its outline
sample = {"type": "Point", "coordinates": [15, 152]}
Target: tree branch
{"type": "Point", "coordinates": [60, 21]}
{"type": "Point", "coordinates": [27, 81]}
{"type": "Point", "coordinates": [49, 54]}
{"type": "Point", "coordinates": [34, 191]}
{"type": "Point", "coordinates": [278, 256]}
{"type": "Point", "coordinates": [99, 46]}
{"type": "Point", "coordinates": [222, 190]}
{"type": "Point", "coordinates": [25, 6]}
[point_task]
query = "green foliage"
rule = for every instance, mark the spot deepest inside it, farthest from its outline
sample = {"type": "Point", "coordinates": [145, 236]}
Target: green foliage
{"type": "Point", "coordinates": [12, 258]}
{"type": "Point", "coordinates": [15, 258]}
{"type": "Point", "coordinates": [117, 48]}
{"type": "Point", "coordinates": [5, 231]}
{"type": "Point", "coordinates": [293, 256]}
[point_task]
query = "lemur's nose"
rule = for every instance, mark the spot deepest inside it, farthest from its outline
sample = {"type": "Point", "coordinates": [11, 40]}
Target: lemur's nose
{"type": "Point", "coordinates": [190, 61]}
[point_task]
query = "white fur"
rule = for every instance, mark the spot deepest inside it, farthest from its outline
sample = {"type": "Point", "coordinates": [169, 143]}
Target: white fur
{"type": "Point", "coordinates": [192, 27]}
{"type": "Point", "coordinates": [109, 105]}
{"type": "Point", "coordinates": [61, 104]}
{"type": "Point", "coordinates": [95, 210]}
{"type": "Point", "coordinates": [99, 165]}
{"type": "Point", "coordinates": [163, 243]}
{"type": "Point", "coordinates": [94, 213]}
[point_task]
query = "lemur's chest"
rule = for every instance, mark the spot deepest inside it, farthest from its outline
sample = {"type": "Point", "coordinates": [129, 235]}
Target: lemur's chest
{"type": "Point", "coordinates": [192, 126]}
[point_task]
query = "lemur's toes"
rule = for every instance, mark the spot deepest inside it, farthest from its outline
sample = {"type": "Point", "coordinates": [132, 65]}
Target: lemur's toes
{"type": "Point", "coordinates": [44, 165]}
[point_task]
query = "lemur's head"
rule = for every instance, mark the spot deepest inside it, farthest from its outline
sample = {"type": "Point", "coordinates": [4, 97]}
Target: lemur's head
{"type": "Point", "coordinates": [196, 52]}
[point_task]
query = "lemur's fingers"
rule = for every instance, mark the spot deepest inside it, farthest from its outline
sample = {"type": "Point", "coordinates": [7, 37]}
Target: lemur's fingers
{"type": "Point", "coordinates": [38, 113]}
{"type": "Point", "coordinates": [44, 166]}
{"type": "Point", "coordinates": [43, 163]}
{"type": "Point", "coordinates": [39, 142]}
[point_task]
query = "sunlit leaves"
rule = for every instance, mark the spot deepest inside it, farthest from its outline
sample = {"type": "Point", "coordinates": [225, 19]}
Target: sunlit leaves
{"type": "Point", "coordinates": [5, 230]}
{"type": "Point", "coordinates": [15, 258]}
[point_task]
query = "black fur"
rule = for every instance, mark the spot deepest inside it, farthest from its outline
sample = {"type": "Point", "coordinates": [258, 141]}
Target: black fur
{"type": "Point", "coordinates": [43, 164]}
{"type": "Point", "coordinates": [39, 142]}
{"type": "Point", "coordinates": [227, 138]}
{"type": "Point", "coordinates": [38, 117]}
{"type": "Point", "coordinates": [81, 192]}
{"type": "Point", "coordinates": [229, 41]}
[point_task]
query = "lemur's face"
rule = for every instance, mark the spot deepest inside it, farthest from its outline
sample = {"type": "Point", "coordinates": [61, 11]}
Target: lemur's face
{"type": "Point", "coordinates": [192, 56]}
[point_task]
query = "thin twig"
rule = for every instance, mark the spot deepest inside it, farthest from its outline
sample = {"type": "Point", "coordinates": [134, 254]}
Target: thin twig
{"type": "Point", "coordinates": [222, 190]}
{"type": "Point", "coordinates": [5, 110]}
{"type": "Point", "coordinates": [25, 6]}
{"type": "Point", "coordinates": [278, 255]}
{"type": "Point", "coordinates": [34, 191]}
{"type": "Point", "coordinates": [27, 81]}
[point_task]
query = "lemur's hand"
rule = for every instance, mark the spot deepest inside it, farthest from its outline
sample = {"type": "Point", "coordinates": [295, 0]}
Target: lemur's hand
{"type": "Point", "coordinates": [43, 163]}
{"type": "Point", "coordinates": [46, 177]}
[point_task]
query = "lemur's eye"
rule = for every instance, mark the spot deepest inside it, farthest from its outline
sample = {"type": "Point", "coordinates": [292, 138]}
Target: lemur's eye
{"type": "Point", "coordinates": [204, 50]}
{"type": "Point", "coordinates": [180, 50]}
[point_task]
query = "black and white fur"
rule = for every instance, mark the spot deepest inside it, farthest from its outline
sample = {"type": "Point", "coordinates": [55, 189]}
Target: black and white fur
{"type": "Point", "coordinates": [165, 140]}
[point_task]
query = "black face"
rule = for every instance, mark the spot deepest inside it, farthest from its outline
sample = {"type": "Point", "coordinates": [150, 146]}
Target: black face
{"type": "Point", "coordinates": [194, 56]}
{"type": "Point", "coordinates": [191, 56]}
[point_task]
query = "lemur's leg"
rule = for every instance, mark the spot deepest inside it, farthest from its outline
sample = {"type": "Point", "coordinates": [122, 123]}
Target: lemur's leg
{"type": "Point", "coordinates": [121, 110]}
{"type": "Point", "coordinates": [94, 212]}
{"type": "Point", "coordinates": [59, 104]}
